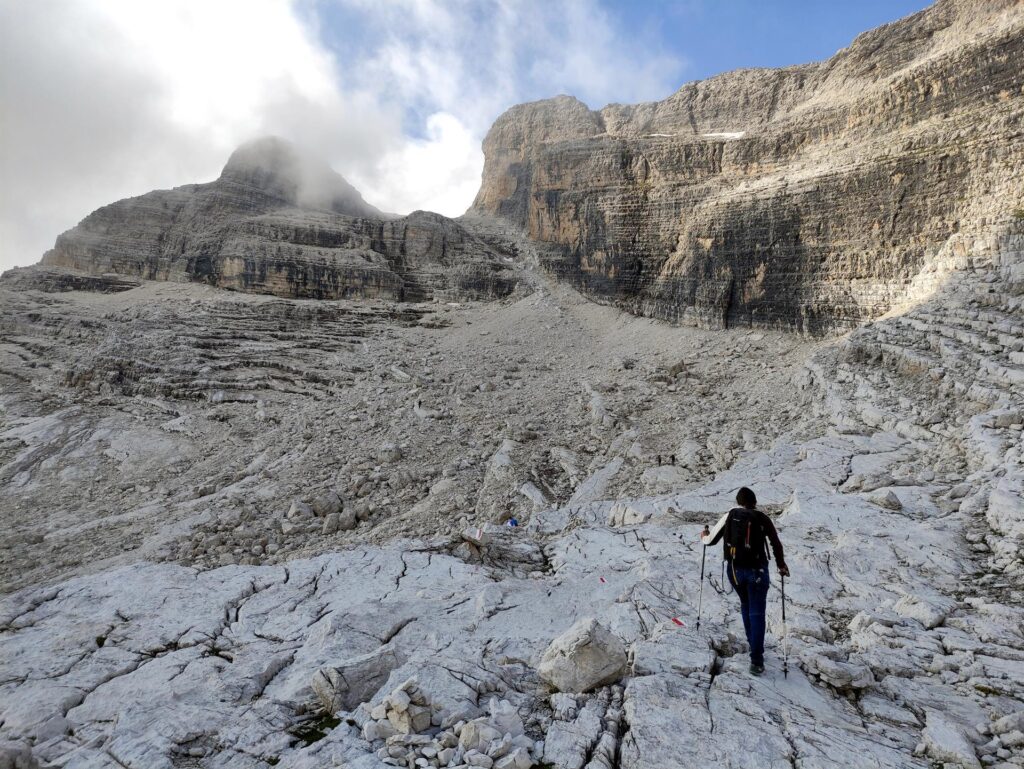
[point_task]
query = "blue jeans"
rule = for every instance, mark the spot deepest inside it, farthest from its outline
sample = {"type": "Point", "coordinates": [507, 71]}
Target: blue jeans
{"type": "Point", "coordinates": [751, 585]}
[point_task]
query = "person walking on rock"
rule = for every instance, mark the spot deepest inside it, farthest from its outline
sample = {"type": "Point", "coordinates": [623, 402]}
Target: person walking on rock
{"type": "Point", "coordinates": [746, 532]}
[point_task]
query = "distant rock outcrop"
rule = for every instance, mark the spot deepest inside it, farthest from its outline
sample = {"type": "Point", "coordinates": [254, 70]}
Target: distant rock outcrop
{"type": "Point", "coordinates": [277, 222]}
{"type": "Point", "coordinates": [804, 197]}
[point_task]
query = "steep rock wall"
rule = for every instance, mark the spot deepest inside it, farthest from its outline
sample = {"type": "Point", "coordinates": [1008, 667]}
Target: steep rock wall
{"type": "Point", "coordinates": [805, 197]}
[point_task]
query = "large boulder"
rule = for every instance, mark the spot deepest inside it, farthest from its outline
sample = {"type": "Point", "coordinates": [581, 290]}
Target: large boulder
{"type": "Point", "coordinates": [298, 510]}
{"type": "Point", "coordinates": [586, 656]}
{"type": "Point", "coordinates": [356, 680]}
{"type": "Point", "coordinates": [946, 742]}
{"type": "Point", "coordinates": [327, 503]}
{"type": "Point", "coordinates": [827, 665]}
{"type": "Point", "coordinates": [478, 734]}
{"type": "Point", "coordinates": [343, 521]}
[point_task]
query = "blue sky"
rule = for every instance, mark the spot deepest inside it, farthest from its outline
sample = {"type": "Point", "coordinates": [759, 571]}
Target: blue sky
{"type": "Point", "coordinates": [104, 99]}
{"type": "Point", "coordinates": [714, 37]}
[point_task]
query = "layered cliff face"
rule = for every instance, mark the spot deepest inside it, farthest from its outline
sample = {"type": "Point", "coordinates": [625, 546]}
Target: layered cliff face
{"type": "Point", "coordinates": [807, 197]}
{"type": "Point", "coordinates": [276, 222]}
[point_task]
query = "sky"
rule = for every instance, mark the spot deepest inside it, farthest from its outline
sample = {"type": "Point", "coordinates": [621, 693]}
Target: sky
{"type": "Point", "coordinates": [105, 99]}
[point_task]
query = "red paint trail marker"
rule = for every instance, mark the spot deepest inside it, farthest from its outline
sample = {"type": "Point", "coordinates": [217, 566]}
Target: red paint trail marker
{"type": "Point", "coordinates": [678, 621]}
{"type": "Point", "coordinates": [603, 580]}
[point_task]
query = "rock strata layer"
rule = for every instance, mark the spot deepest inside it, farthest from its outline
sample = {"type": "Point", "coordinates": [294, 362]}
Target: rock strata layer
{"type": "Point", "coordinates": [806, 197]}
{"type": "Point", "coordinates": [275, 222]}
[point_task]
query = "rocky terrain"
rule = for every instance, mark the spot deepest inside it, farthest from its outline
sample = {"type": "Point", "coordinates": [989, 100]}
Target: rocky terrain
{"type": "Point", "coordinates": [161, 409]}
{"type": "Point", "coordinates": [266, 532]}
{"type": "Point", "coordinates": [806, 197]}
{"type": "Point", "coordinates": [271, 527]}
{"type": "Point", "coordinates": [278, 222]}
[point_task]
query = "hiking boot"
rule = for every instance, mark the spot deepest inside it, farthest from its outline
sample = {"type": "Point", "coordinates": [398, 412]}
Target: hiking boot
{"type": "Point", "coordinates": [755, 669]}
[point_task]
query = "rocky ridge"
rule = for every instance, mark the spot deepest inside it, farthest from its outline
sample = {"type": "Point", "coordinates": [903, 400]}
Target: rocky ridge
{"type": "Point", "coordinates": [807, 197]}
{"type": "Point", "coordinates": [276, 222]}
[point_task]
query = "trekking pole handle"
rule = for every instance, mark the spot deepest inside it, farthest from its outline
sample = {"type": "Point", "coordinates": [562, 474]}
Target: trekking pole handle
{"type": "Point", "coordinates": [783, 597]}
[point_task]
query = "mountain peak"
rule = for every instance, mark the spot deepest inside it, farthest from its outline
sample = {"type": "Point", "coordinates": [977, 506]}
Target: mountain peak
{"type": "Point", "coordinates": [279, 168]}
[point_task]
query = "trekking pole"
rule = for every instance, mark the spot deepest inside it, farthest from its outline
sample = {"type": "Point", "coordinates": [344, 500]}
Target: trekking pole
{"type": "Point", "coordinates": [785, 635]}
{"type": "Point", "coordinates": [700, 594]}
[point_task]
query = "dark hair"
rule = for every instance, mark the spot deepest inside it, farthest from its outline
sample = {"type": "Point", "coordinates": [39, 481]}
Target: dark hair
{"type": "Point", "coordinates": [746, 497]}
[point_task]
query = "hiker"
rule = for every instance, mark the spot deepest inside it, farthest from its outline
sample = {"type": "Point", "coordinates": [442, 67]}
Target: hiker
{"type": "Point", "coordinates": [747, 532]}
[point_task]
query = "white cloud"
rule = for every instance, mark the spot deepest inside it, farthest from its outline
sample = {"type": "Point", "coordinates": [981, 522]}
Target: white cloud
{"type": "Point", "coordinates": [103, 99]}
{"type": "Point", "coordinates": [475, 58]}
{"type": "Point", "coordinates": [112, 98]}
{"type": "Point", "coordinates": [440, 172]}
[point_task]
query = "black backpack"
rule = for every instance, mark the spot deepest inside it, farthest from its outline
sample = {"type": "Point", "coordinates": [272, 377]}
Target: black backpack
{"type": "Point", "coordinates": [745, 544]}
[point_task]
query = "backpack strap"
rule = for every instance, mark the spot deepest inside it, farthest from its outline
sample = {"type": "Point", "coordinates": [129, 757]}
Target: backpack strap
{"type": "Point", "coordinates": [764, 538]}
{"type": "Point", "coordinates": [727, 534]}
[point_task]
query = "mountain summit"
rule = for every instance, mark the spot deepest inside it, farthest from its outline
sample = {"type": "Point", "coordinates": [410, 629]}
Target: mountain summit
{"type": "Point", "coordinates": [277, 168]}
{"type": "Point", "coordinates": [278, 221]}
